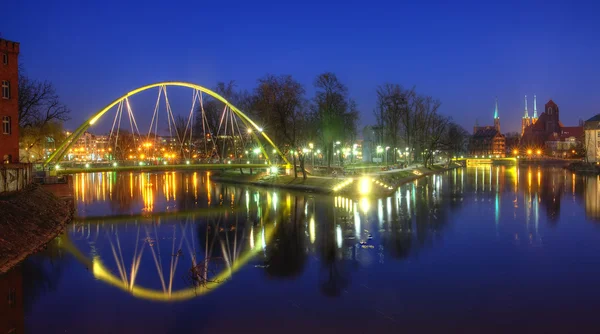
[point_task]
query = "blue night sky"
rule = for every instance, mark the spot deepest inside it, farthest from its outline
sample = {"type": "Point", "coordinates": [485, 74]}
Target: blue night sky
{"type": "Point", "coordinates": [464, 53]}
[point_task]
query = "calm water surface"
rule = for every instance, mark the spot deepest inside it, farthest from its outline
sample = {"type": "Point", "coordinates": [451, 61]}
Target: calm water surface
{"type": "Point", "coordinates": [488, 249]}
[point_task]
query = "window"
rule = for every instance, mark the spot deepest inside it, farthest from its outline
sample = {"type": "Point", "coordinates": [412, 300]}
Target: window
{"type": "Point", "coordinates": [5, 89]}
{"type": "Point", "coordinates": [12, 297]}
{"type": "Point", "coordinates": [5, 58]}
{"type": "Point", "coordinates": [598, 134]}
{"type": "Point", "coordinates": [6, 125]}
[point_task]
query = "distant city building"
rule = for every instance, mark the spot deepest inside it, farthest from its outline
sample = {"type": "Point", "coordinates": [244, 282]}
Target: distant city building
{"type": "Point", "coordinates": [9, 101]}
{"type": "Point", "coordinates": [488, 140]}
{"type": "Point", "coordinates": [549, 133]}
{"type": "Point", "coordinates": [592, 138]}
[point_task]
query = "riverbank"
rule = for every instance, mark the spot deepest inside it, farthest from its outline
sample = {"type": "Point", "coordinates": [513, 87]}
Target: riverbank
{"type": "Point", "coordinates": [378, 184]}
{"type": "Point", "coordinates": [29, 219]}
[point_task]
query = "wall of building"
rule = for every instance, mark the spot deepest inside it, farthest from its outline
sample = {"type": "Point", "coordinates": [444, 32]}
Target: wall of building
{"type": "Point", "coordinates": [592, 140]}
{"type": "Point", "coordinates": [9, 107]}
{"type": "Point", "coordinates": [15, 177]}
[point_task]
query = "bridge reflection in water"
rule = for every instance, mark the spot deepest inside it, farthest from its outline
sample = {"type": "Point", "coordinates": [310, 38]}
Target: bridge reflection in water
{"type": "Point", "coordinates": [174, 236]}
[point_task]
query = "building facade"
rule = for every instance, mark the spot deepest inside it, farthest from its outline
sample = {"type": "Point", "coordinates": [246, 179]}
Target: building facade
{"type": "Point", "coordinates": [9, 101]}
{"type": "Point", "coordinates": [548, 133]}
{"type": "Point", "coordinates": [488, 140]}
{"type": "Point", "coordinates": [526, 120]}
{"type": "Point", "coordinates": [592, 139]}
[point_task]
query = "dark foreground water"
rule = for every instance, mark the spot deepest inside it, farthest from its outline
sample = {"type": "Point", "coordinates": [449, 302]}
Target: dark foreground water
{"type": "Point", "coordinates": [482, 250]}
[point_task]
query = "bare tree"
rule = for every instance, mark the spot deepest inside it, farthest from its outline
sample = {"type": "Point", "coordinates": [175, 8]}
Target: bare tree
{"type": "Point", "coordinates": [333, 112]}
{"type": "Point", "coordinates": [455, 140]}
{"type": "Point", "coordinates": [38, 103]}
{"type": "Point", "coordinates": [279, 102]}
{"type": "Point", "coordinates": [391, 108]}
{"type": "Point", "coordinates": [430, 128]}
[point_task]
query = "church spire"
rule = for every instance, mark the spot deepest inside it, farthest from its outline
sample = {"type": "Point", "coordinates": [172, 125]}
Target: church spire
{"type": "Point", "coordinates": [534, 107]}
{"type": "Point", "coordinates": [526, 113]}
{"type": "Point", "coordinates": [496, 117]}
{"type": "Point", "coordinates": [496, 110]}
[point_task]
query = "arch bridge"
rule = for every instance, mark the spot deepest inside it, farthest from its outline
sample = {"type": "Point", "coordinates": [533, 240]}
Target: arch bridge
{"type": "Point", "coordinates": [214, 135]}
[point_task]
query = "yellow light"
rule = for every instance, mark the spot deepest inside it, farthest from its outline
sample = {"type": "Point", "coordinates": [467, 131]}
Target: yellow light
{"type": "Point", "coordinates": [539, 152]}
{"type": "Point", "coordinates": [364, 205]}
{"type": "Point", "coordinates": [529, 151]}
{"type": "Point", "coordinates": [364, 186]}
{"type": "Point", "coordinates": [142, 156]}
{"type": "Point", "coordinates": [515, 152]}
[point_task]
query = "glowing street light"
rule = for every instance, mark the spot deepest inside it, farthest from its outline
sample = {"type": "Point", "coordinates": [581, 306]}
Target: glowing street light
{"type": "Point", "coordinates": [539, 152]}
{"type": "Point", "coordinates": [529, 152]}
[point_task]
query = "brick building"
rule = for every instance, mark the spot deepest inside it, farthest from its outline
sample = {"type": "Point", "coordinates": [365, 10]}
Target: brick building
{"type": "Point", "coordinates": [488, 140]}
{"type": "Point", "coordinates": [9, 101]}
{"type": "Point", "coordinates": [549, 133]}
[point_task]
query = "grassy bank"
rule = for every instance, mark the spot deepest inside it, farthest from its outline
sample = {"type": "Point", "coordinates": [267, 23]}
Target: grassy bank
{"type": "Point", "coordinates": [28, 220]}
{"type": "Point", "coordinates": [380, 183]}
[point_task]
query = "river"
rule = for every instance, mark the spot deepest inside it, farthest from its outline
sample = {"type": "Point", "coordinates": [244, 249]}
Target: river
{"type": "Point", "coordinates": [478, 249]}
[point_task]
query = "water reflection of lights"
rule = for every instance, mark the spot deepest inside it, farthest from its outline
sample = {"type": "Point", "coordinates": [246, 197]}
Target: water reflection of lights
{"type": "Point", "coordinates": [181, 239]}
{"type": "Point", "coordinates": [356, 223]}
{"type": "Point", "coordinates": [338, 235]}
{"type": "Point", "coordinates": [311, 228]}
{"type": "Point", "coordinates": [408, 202]}
{"type": "Point", "coordinates": [380, 212]}
{"type": "Point", "coordinates": [364, 205]}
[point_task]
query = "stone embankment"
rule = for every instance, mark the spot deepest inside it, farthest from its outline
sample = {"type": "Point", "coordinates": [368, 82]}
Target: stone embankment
{"type": "Point", "coordinates": [584, 168]}
{"type": "Point", "coordinates": [29, 219]}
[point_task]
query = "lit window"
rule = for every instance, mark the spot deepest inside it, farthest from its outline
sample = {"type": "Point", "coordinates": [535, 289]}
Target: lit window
{"type": "Point", "coordinates": [5, 89]}
{"type": "Point", "coordinates": [6, 125]}
{"type": "Point", "coordinates": [5, 58]}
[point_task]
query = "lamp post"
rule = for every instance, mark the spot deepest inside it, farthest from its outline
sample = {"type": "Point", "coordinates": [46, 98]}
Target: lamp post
{"type": "Point", "coordinates": [311, 146]}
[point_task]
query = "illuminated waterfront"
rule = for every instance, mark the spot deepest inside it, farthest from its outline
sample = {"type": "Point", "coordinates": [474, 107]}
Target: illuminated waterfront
{"type": "Point", "coordinates": [478, 249]}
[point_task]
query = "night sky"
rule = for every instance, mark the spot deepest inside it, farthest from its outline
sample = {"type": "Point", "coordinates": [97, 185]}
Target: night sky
{"type": "Point", "coordinates": [464, 53]}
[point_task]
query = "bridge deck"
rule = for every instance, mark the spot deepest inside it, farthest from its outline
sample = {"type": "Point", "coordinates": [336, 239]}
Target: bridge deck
{"type": "Point", "coordinates": [147, 168]}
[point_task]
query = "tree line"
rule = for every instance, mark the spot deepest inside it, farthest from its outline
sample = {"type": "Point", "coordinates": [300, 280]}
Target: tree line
{"type": "Point", "coordinates": [280, 105]}
{"type": "Point", "coordinates": [405, 119]}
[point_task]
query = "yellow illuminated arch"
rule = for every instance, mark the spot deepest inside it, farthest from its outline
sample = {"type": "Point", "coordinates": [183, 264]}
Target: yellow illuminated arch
{"type": "Point", "coordinates": [64, 147]}
{"type": "Point", "coordinates": [100, 272]}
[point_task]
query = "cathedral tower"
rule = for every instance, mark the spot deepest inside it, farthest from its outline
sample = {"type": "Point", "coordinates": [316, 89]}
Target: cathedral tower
{"type": "Point", "coordinates": [535, 115]}
{"type": "Point", "coordinates": [525, 121]}
{"type": "Point", "coordinates": [496, 117]}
